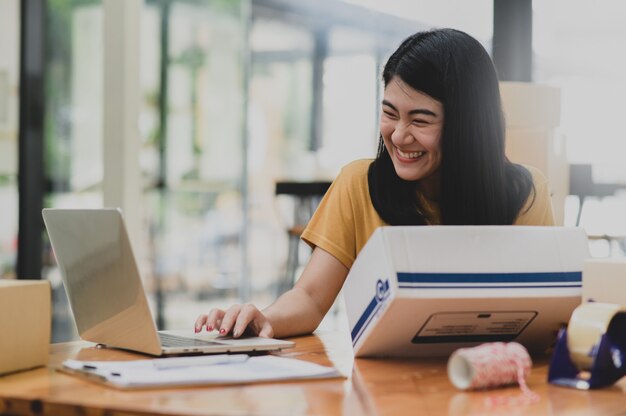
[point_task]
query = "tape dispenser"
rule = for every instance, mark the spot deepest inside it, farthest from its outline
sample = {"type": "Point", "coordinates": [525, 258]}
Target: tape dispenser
{"type": "Point", "coordinates": [591, 352]}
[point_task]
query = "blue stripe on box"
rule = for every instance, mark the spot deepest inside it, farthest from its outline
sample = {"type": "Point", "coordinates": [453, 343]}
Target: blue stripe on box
{"type": "Point", "coordinates": [469, 278]}
{"type": "Point", "coordinates": [409, 286]}
{"type": "Point", "coordinates": [364, 317]}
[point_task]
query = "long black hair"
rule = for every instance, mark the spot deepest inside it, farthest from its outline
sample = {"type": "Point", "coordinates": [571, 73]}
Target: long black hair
{"type": "Point", "coordinates": [478, 184]}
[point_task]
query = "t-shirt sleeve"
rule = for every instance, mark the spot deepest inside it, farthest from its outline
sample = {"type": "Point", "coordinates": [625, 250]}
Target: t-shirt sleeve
{"type": "Point", "coordinates": [332, 227]}
{"type": "Point", "coordinates": [538, 207]}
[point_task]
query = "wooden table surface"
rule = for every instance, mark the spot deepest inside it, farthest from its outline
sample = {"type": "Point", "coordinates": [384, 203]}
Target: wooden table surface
{"type": "Point", "coordinates": [372, 386]}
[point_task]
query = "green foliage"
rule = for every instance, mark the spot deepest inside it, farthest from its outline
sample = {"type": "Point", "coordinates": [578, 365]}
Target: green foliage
{"type": "Point", "coordinates": [6, 179]}
{"type": "Point", "coordinates": [57, 146]}
{"type": "Point", "coordinates": [224, 6]}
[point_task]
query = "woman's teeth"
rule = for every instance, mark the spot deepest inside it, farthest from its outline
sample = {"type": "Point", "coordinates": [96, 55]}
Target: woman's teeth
{"type": "Point", "coordinates": [410, 155]}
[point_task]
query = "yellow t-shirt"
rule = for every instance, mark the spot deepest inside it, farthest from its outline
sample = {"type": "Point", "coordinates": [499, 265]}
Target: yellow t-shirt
{"type": "Point", "coordinates": [346, 218]}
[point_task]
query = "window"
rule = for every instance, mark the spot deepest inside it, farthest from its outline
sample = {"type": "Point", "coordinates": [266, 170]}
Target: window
{"type": "Point", "coordinates": [9, 79]}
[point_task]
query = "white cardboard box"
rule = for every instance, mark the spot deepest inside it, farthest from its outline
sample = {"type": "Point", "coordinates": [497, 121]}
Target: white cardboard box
{"type": "Point", "coordinates": [604, 280]}
{"type": "Point", "coordinates": [426, 291]}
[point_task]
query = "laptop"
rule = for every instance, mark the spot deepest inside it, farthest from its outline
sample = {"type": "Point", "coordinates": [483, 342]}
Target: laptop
{"type": "Point", "coordinates": [107, 297]}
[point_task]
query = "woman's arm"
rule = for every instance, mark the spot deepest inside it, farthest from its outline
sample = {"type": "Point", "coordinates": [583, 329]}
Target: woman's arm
{"type": "Point", "coordinates": [297, 311]}
{"type": "Point", "coordinates": [301, 309]}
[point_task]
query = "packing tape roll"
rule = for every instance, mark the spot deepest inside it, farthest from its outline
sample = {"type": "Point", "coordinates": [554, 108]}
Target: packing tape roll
{"type": "Point", "coordinates": [588, 323]}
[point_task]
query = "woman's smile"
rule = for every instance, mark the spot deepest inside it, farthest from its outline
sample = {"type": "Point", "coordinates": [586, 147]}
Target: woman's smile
{"type": "Point", "coordinates": [408, 156]}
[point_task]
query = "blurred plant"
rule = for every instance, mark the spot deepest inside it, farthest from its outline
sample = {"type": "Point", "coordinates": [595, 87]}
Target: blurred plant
{"type": "Point", "coordinates": [57, 145]}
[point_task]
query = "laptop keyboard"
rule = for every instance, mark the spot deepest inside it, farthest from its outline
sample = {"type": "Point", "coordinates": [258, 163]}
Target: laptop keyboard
{"type": "Point", "coordinates": [168, 340]}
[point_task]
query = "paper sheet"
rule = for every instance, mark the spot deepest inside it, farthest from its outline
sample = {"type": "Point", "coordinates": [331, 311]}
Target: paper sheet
{"type": "Point", "coordinates": [197, 370]}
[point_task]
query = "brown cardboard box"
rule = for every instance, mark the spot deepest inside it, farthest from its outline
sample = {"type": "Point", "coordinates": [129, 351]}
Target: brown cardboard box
{"type": "Point", "coordinates": [545, 150]}
{"type": "Point", "coordinates": [604, 280]}
{"type": "Point", "coordinates": [25, 319]}
{"type": "Point", "coordinates": [532, 115]}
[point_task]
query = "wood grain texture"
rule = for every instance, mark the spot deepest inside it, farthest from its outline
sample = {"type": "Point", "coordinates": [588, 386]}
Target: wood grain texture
{"type": "Point", "coordinates": [372, 387]}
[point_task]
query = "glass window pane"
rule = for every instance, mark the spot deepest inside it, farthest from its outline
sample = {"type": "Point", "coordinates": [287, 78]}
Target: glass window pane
{"type": "Point", "coordinates": [582, 60]}
{"type": "Point", "coordinates": [350, 100]}
{"type": "Point", "coordinates": [73, 127]}
{"type": "Point", "coordinates": [279, 120]}
{"type": "Point", "coordinates": [192, 157]}
{"type": "Point", "coordinates": [73, 135]}
{"type": "Point", "coordinates": [474, 17]}
{"type": "Point", "coordinates": [577, 47]}
{"type": "Point", "coordinates": [9, 79]}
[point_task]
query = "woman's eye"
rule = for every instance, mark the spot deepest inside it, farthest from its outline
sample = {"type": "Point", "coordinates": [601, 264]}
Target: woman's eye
{"type": "Point", "coordinates": [390, 115]}
{"type": "Point", "coordinates": [420, 122]}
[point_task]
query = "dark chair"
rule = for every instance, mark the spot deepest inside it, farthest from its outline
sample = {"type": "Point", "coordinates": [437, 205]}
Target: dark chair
{"type": "Point", "coordinates": [307, 196]}
{"type": "Point", "coordinates": [582, 185]}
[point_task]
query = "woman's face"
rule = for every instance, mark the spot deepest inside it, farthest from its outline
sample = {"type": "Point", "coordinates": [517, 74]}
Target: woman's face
{"type": "Point", "coordinates": [410, 124]}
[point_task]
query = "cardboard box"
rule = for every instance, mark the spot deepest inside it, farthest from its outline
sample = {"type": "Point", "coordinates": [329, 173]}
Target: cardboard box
{"type": "Point", "coordinates": [530, 105]}
{"type": "Point", "coordinates": [426, 291]}
{"type": "Point", "coordinates": [532, 114]}
{"type": "Point", "coordinates": [604, 280]}
{"type": "Point", "coordinates": [25, 319]}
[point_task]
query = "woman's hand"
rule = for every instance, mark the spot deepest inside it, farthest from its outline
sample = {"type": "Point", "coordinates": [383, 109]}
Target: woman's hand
{"type": "Point", "coordinates": [298, 311]}
{"type": "Point", "coordinates": [237, 319]}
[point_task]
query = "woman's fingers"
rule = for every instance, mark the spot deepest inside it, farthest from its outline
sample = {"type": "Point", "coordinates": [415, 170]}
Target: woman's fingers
{"type": "Point", "coordinates": [248, 317]}
{"type": "Point", "coordinates": [237, 319]}
{"type": "Point", "coordinates": [212, 320]}
{"type": "Point", "coordinates": [200, 321]}
{"type": "Point", "coordinates": [228, 321]}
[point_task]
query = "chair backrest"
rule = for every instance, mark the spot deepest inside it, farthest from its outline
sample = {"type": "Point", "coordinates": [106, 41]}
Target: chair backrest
{"type": "Point", "coordinates": [301, 189]}
{"type": "Point", "coordinates": [582, 184]}
{"type": "Point", "coordinates": [307, 196]}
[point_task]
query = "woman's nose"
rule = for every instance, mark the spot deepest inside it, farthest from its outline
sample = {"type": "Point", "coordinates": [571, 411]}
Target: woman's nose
{"type": "Point", "coordinates": [401, 134]}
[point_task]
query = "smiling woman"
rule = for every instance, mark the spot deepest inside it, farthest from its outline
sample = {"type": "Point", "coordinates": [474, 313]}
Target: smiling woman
{"type": "Point", "coordinates": [440, 161]}
{"type": "Point", "coordinates": [464, 177]}
{"type": "Point", "coordinates": [410, 125]}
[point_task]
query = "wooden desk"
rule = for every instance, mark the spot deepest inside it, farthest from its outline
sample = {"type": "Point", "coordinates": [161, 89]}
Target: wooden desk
{"type": "Point", "coordinates": [374, 386]}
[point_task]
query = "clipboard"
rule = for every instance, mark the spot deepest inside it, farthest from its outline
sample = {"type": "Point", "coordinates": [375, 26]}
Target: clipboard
{"type": "Point", "coordinates": [197, 371]}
